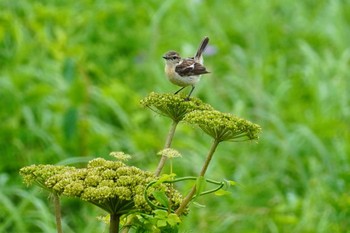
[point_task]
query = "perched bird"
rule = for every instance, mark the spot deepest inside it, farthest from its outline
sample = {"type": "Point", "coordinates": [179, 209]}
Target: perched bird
{"type": "Point", "coordinates": [185, 72]}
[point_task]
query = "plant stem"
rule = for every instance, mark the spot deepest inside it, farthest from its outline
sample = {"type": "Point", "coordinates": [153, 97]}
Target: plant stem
{"type": "Point", "coordinates": [168, 141]}
{"type": "Point", "coordinates": [190, 195]}
{"type": "Point", "coordinates": [114, 223]}
{"type": "Point", "coordinates": [209, 157]}
{"type": "Point", "coordinates": [56, 201]}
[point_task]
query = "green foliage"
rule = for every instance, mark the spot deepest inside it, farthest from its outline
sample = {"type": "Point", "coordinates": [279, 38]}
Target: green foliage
{"type": "Point", "coordinates": [160, 221]}
{"type": "Point", "coordinates": [164, 219]}
{"type": "Point", "coordinates": [72, 73]}
{"type": "Point", "coordinates": [161, 197]}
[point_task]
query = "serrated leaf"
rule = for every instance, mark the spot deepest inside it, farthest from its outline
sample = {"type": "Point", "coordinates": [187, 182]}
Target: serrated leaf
{"type": "Point", "coordinates": [173, 219]}
{"type": "Point", "coordinates": [161, 223]}
{"type": "Point", "coordinates": [160, 214]}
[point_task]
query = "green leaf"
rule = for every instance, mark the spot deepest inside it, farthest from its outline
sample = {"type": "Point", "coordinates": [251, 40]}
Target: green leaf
{"type": "Point", "coordinates": [69, 69]}
{"type": "Point", "coordinates": [222, 192]}
{"type": "Point", "coordinates": [161, 223]}
{"type": "Point", "coordinates": [231, 182]}
{"type": "Point", "coordinates": [70, 121]}
{"type": "Point", "coordinates": [160, 214]}
{"type": "Point", "coordinates": [173, 219]}
{"type": "Point", "coordinates": [161, 197]}
{"type": "Point", "coordinates": [165, 177]}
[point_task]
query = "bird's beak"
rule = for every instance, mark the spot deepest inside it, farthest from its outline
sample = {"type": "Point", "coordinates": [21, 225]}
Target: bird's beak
{"type": "Point", "coordinates": [165, 57]}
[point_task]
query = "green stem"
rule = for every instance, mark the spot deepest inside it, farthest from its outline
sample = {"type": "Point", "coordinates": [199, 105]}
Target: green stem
{"type": "Point", "coordinates": [209, 157]}
{"type": "Point", "coordinates": [190, 195]}
{"type": "Point", "coordinates": [56, 201]}
{"type": "Point", "coordinates": [168, 141]}
{"type": "Point", "coordinates": [114, 220]}
{"type": "Point", "coordinates": [171, 182]}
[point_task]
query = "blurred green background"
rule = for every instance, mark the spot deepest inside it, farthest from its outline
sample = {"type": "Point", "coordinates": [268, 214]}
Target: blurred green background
{"type": "Point", "coordinates": [72, 74]}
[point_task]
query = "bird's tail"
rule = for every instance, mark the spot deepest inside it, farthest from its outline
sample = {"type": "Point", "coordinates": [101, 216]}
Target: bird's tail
{"type": "Point", "coordinates": [201, 49]}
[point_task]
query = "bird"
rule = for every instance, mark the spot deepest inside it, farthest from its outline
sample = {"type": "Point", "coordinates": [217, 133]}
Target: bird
{"type": "Point", "coordinates": [185, 72]}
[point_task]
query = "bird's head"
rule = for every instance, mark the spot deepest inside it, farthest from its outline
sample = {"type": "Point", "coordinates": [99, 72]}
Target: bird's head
{"type": "Point", "coordinates": [172, 57]}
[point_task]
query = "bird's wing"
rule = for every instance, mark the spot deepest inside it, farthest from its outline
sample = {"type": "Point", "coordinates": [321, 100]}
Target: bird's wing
{"type": "Point", "coordinates": [188, 67]}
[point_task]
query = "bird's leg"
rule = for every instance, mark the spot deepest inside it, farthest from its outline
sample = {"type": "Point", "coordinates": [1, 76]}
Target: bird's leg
{"type": "Point", "coordinates": [179, 90]}
{"type": "Point", "coordinates": [188, 97]}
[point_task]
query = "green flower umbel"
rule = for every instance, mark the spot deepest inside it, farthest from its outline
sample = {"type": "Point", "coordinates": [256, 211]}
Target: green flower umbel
{"type": "Point", "coordinates": [173, 106]}
{"type": "Point", "coordinates": [111, 185]}
{"type": "Point", "coordinates": [223, 126]}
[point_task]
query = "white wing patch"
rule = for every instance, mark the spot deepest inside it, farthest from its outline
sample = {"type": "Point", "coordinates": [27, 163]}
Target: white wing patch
{"type": "Point", "coordinates": [191, 66]}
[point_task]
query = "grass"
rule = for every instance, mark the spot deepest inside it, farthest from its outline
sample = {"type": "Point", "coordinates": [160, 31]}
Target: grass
{"type": "Point", "coordinates": [72, 73]}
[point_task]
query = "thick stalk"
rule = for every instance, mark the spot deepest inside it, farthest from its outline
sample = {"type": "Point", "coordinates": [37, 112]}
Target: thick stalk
{"type": "Point", "coordinates": [114, 223]}
{"type": "Point", "coordinates": [168, 141]}
{"type": "Point", "coordinates": [57, 204]}
{"type": "Point", "coordinates": [209, 157]}
{"type": "Point", "coordinates": [190, 195]}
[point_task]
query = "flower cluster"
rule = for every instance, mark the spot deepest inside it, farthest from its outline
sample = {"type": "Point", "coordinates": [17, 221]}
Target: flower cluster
{"type": "Point", "coordinates": [223, 126]}
{"type": "Point", "coordinates": [40, 173]}
{"type": "Point", "coordinates": [111, 185]}
{"type": "Point", "coordinates": [120, 155]}
{"type": "Point", "coordinates": [220, 126]}
{"type": "Point", "coordinates": [170, 153]}
{"type": "Point", "coordinates": [173, 106]}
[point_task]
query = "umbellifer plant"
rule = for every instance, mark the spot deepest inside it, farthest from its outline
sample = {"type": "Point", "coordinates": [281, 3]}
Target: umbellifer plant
{"type": "Point", "coordinates": [143, 200]}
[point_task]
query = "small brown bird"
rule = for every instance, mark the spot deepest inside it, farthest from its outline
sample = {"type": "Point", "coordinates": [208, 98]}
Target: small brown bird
{"type": "Point", "coordinates": [185, 72]}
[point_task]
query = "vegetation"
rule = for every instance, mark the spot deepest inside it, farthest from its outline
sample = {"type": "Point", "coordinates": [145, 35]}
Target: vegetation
{"type": "Point", "coordinates": [72, 75]}
{"type": "Point", "coordinates": [145, 201]}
